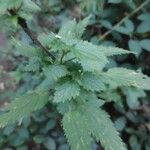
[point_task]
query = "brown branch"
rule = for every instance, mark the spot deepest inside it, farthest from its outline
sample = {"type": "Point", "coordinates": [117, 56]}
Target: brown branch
{"type": "Point", "coordinates": [123, 19]}
{"type": "Point", "coordinates": [23, 24]}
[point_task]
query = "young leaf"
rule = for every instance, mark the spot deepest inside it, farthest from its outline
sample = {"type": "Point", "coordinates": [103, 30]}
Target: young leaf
{"type": "Point", "coordinates": [53, 41]}
{"type": "Point", "coordinates": [66, 91]}
{"type": "Point", "coordinates": [68, 30]}
{"type": "Point", "coordinates": [80, 27]}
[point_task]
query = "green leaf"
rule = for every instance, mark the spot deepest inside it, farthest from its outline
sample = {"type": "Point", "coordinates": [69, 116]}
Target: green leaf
{"type": "Point", "coordinates": [33, 64]}
{"type": "Point", "coordinates": [49, 143]}
{"type": "Point", "coordinates": [46, 84]}
{"type": "Point", "coordinates": [110, 95]}
{"type": "Point", "coordinates": [27, 50]}
{"type": "Point", "coordinates": [80, 27]}
{"type": "Point", "coordinates": [92, 6]}
{"type": "Point", "coordinates": [55, 71]}
{"type": "Point", "coordinates": [135, 46]}
{"type": "Point", "coordinates": [54, 42]}
{"type": "Point", "coordinates": [66, 91]}
{"type": "Point", "coordinates": [92, 82]}
{"type": "Point", "coordinates": [68, 30]}
{"type": "Point", "coordinates": [126, 28]}
{"type": "Point", "coordinates": [132, 96]}
{"type": "Point", "coordinates": [120, 123]}
{"type": "Point", "coordinates": [73, 30]}
{"type": "Point", "coordinates": [46, 39]}
{"type": "Point", "coordinates": [144, 27]}
{"type": "Point", "coordinates": [102, 128]}
{"type": "Point", "coordinates": [107, 24]}
{"type": "Point", "coordinates": [110, 51]}
{"type": "Point", "coordinates": [23, 106]}
{"type": "Point", "coordinates": [77, 131]}
{"type": "Point", "coordinates": [144, 16]}
{"type": "Point", "coordinates": [125, 77]}
{"type": "Point", "coordinates": [92, 65]}
{"type": "Point", "coordinates": [145, 44]}
{"type": "Point", "coordinates": [89, 56]}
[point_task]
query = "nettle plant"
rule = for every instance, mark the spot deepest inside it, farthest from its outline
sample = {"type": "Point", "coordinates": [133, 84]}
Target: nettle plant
{"type": "Point", "coordinates": [73, 74]}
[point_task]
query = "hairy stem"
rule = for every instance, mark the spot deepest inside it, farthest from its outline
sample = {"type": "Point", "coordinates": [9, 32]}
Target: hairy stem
{"type": "Point", "coordinates": [23, 24]}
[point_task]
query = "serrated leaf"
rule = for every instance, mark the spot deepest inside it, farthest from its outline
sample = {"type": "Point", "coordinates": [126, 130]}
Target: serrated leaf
{"type": "Point", "coordinates": [23, 106]}
{"type": "Point", "coordinates": [55, 71]}
{"type": "Point", "coordinates": [33, 64]}
{"type": "Point", "coordinates": [66, 91]}
{"type": "Point", "coordinates": [92, 82]}
{"type": "Point", "coordinates": [74, 30]}
{"type": "Point", "coordinates": [68, 30]}
{"type": "Point", "coordinates": [92, 65]}
{"type": "Point", "coordinates": [80, 27]}
{"type": "Point", "coordinates": [101, 127]}
{"type": "Point", "coordinates": [76, 131]}
{"type": "Point", "coordinates": [110, 51]}
{"type": "Point", "coordinates": [89, 120]}
{"type": "Point", "coordinates": [89, 56]}
{"type": "Point", "coordinates": [125, 77]}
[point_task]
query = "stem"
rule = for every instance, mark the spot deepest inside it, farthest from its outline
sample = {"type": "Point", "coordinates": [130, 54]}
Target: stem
{"type": "Point", "coordinates": [123, 19]}
{"type": "Point", "coordinates": [71, 59]}
{"type": "Point", "coordinates": [62, 56]}
{"type": "Point", "coordinates": [23, 24]}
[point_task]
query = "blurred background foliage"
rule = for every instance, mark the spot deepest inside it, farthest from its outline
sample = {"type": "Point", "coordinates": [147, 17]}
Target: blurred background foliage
{"type": "Point", "coordinates": [121, 23]}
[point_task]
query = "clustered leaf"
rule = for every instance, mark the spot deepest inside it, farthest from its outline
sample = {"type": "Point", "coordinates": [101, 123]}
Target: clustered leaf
{"type": "Point", "coordinates": [94, 122]}
{"type": "Point", "coordinates": [76, 79]}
